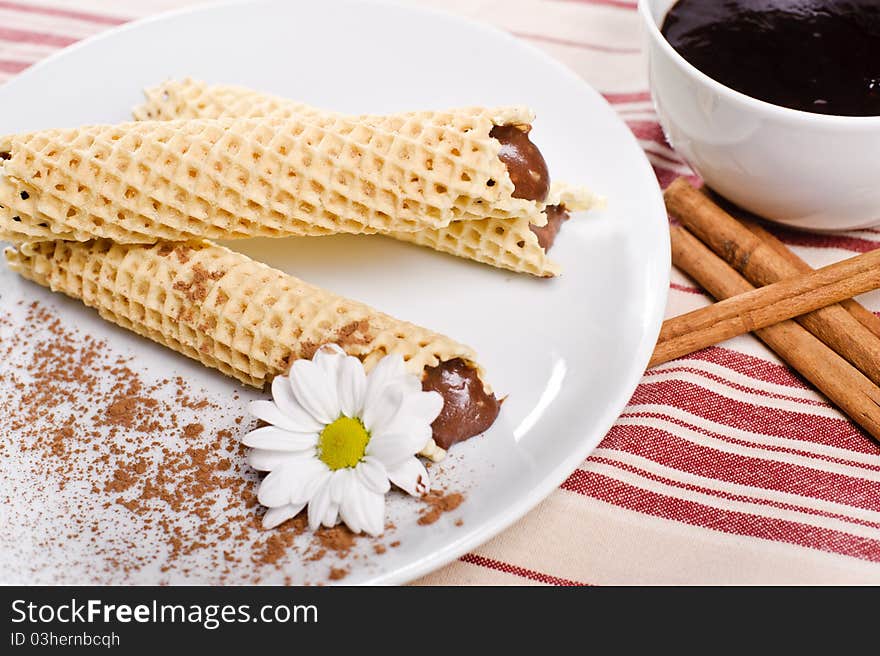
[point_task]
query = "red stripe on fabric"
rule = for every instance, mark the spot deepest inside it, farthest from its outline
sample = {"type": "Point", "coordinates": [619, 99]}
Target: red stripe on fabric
{"type": "Point", "coordinates": [704, 403]}
{"type": "Point", "coordinates": [685, 288]}
{"type": "Point", "coordinates": [576, 44]}
{"type": "Point", "coordinates": [666, 176]}
{"type": "Point", "coordinates": [734, 497]}
{"type": "Point", "coordinates": [649, 131]}
{"type": "Point", "coordinates": [507, 568]}
{"type": "Point", "coordinates": [770, 448]}
{"type": "Point", "coordinates": [665, 159]}
{"type": "Point", "coordinates": [749, 365]}
{"type": "Point", "coordinates": [735, 385]}
{"type": "Point", "coordinates": [40, 38]}
{"type": "Point", "coordinates": [7, 66]}
{"type": "Point", "coordinates": [627, 97]}
{"type": "Point", "coordinates": [666, 448]}
{"type": "Point", "coordinates": [633, 498]}
{"type": "Point", "coordinates": [63, 13]}
{"type": "Point", "coordinates": [823, 240]}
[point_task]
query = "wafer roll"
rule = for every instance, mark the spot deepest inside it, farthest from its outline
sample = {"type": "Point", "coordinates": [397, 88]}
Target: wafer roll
{"type": "Point", "coordinates": [242, 177]}
{"type": "Point", "coordinates": [225, 310]}
{"type": "Point", "coordinates": [222, 308]}
{"type": "Point", "coordinates": [508, 244]}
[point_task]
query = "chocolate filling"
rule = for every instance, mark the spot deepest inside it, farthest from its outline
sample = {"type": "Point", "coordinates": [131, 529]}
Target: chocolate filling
{"type": "Point", "coordinates": [525, 163]}
{"type": "Point", "coordinates": [556, 216]}
{"type": "Point", "coordinates": [467, 409]}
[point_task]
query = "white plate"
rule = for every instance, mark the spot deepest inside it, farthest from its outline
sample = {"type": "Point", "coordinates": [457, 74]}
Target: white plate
{"type": "Point", "coordinates": [569, 352]}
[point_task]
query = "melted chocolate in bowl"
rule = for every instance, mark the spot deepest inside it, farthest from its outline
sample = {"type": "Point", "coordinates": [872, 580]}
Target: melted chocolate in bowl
{"type": "Point", "coordinates": [525, 163]}
{"type": "Point", "coordinates": [820, 56]}
{"type": "Point", "coordinates": [467, 409]}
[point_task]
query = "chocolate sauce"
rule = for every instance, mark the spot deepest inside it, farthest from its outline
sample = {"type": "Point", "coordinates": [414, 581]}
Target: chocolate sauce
{"type": "Point", "coordinates": [556, 216]}
{"type": "Point", "coordinates": [467, 409]}
{"type": "Point", "coordinates": [820, 56]}
{"type": "Point", "coordinates": [525, 163]}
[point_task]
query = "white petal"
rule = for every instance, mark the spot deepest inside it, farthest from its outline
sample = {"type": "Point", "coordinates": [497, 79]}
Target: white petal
{"type": "Point", "coordinates": [328, 358]}
{"type": "Point", "coordinates": [279, 515]}
{"type": "Point", "coordinates": [269, 412]}
{"type": "Point", "coordinates": [411, 476]}
{"type": "Point", "coordinates": [294, 482]}
{"type": "Point", "coordinates": [417, 408]}
{"type": "Point", "coordinates": [282, 393]}
{"type": "Point", "coordinates": [372, 475]}
{"type": "Point", "coordinates": [404, 434]}
{"type": "Point", "coordinates": [350, 509]}
{"type": "Point", "coordinates": [315, 391]}
{"type": "Point", "coordinates": [389, 370]}
{"type": "Point", "coordinates": [339, 484]}
{"type": "Point", "coordinates": [392, 448]}
{"type": "Point", "coordinates": [352, 387]}
{"type": "Point", "coordinates": [266, 460]}
{"type": "Point", "coordinates": [411, 384]}
{"type": "Point", "coordinates": [278, 439]}
{"type": "Point", "coordinates": [363, 510]}
{"type": "Point", "coordinates": [382, 407]}
{"type": "Point", "coordinates": [322, 510]}
{"type": "Point", "coordinates": [331, 517]}
{"type": "Point", "coordinates": [351, 487]}
{"type": "Point", "coordinates": [374, 512]}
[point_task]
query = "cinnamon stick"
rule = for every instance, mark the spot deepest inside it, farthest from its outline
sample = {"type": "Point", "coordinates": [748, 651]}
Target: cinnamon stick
{"type": "Point", "coordinates": [862, 314]}
{"type": "Point", "coordinates": [848, 328]}
{"type": "Point", "coordinates": [765, 306]}
{"type": "Point", "coordinates": [842, 383]}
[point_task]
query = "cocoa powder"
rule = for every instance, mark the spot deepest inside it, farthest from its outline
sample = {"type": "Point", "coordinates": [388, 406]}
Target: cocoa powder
{"type": "Point", "coordinates": [438, 502]}
{"type": "Point", "coordinates": [140, 486]}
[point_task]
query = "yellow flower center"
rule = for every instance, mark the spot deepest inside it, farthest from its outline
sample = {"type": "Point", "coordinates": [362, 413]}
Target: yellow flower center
{"type": "Point", "coordinates": [343, 443]}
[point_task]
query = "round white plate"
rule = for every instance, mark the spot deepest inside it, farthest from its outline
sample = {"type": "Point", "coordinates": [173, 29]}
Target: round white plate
{"type": "Point", "coordinates": [568, 352]}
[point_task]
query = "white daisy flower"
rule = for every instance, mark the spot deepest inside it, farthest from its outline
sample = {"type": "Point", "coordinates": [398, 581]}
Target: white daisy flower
{"type": "Point", "coordinates": [338, 438]}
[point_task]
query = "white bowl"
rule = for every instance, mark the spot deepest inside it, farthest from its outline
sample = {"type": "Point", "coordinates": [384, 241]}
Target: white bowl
{"type": "Point", "coordinates": [809, 171]}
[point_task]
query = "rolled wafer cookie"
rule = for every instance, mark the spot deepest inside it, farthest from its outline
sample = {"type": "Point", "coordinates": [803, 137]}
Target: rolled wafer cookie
{"type": "Point", "coordinates": [229, 312]}
{"type": "Point", "coordinates": [504, 243]}
{"type": "Point", "coordinates": [233, 177]}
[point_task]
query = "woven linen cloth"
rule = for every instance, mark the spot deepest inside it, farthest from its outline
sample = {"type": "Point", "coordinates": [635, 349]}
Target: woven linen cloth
{"type": "Point", "coordinates": [725, 467]}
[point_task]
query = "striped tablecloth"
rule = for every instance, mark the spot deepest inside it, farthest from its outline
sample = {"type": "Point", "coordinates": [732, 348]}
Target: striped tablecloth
{"type": "Point", "coordinates": [724, 467]}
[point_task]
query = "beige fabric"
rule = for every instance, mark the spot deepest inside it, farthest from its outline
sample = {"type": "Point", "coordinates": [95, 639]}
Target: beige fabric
{"type": "Point", "coordinates": [579, 539]}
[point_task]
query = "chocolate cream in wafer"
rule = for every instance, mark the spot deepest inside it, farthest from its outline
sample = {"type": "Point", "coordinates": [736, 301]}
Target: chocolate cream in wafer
{"type": "Point", "coordinates": [468, 409]}
{"type": "Point", "coordinates": [530, 176]}
{"type": "Point", "coordinates": [525, 163]}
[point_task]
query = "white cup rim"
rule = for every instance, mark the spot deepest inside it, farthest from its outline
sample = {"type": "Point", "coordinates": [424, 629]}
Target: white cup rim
{"type": "Point", "coordinates": [787, 113]}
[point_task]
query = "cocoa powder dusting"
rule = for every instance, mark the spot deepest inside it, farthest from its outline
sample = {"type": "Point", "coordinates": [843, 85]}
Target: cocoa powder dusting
{"type": "Point", "coordinates": [438, 502]}
{"type": "Point", "coordinates": [193, 430]}
{"type": "Point", "coordinates": [136, 486]}
{"type": "Point", "coordinates": [196, 290]}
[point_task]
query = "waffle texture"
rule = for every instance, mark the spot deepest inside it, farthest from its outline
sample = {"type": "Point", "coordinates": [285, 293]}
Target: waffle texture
{"type": "Point", "coordinates": [503, 243]}
{"type": "Point", "coordinates": [226, 310]}
{"type": "Point", "coordinates": [193, 99]}
{"type": "Point", "coordinates": [325, 173]}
